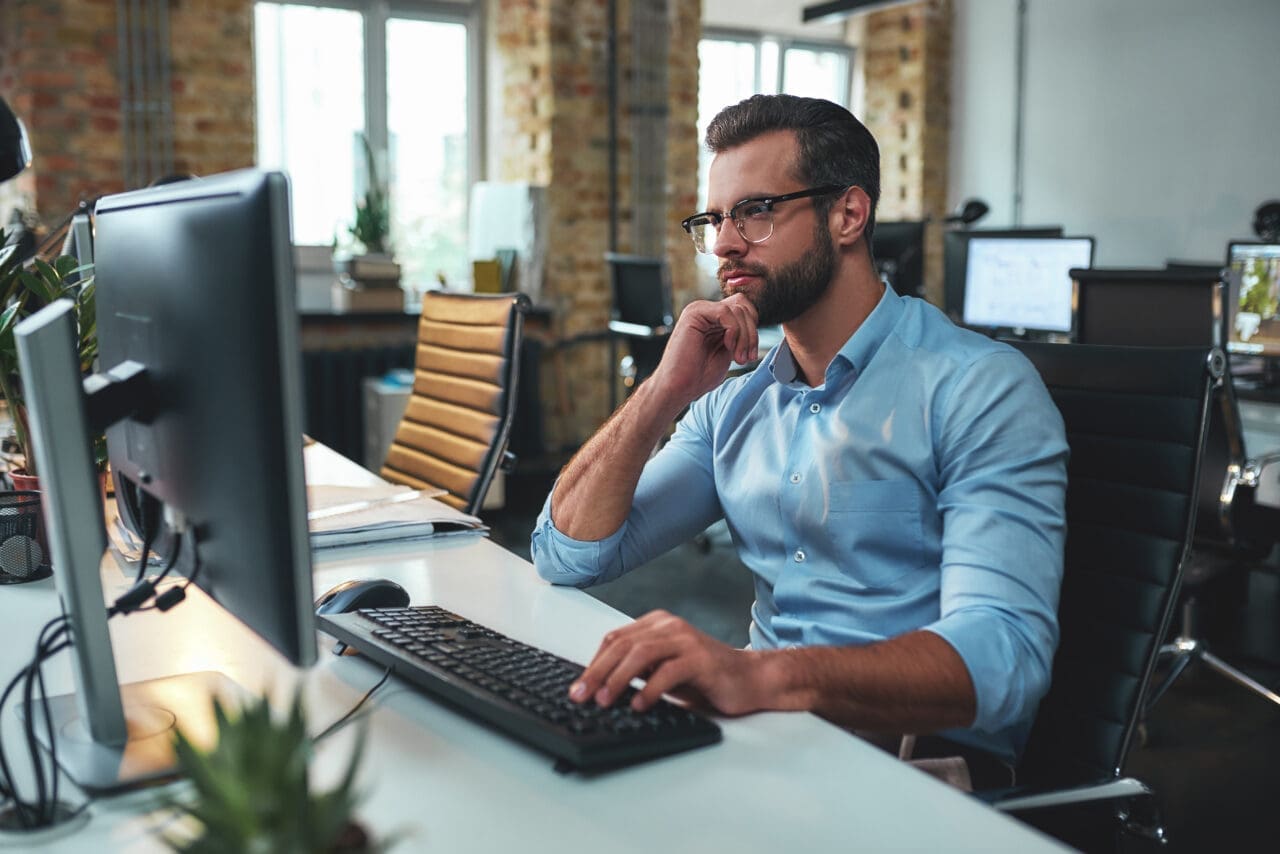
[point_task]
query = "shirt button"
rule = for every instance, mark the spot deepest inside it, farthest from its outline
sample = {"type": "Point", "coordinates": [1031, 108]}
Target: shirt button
{"type": "Point", "coordinates": [799, 555]}
{"type": "Point", "coordinates": [795, 477]}
{"type": "Point", "coordinates": [815, 408]}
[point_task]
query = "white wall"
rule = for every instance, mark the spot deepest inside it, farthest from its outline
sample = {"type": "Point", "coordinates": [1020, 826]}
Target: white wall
{"type": "Point", "coordinates": [1153, 125]}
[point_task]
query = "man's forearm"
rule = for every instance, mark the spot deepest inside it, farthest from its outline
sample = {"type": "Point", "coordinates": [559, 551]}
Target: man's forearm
{"type": "Point", "coordinates": [913, 683]}
{"type": "Point", "coordinates": [594, 492]}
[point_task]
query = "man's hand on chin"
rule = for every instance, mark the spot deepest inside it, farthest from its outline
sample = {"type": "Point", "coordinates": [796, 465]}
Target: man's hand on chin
{"type": "Point", "coordinates": [673, 657]}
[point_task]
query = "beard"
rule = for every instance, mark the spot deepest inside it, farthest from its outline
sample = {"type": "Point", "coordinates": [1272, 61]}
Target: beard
{"type": "Point", "coordinates": [790, 291]}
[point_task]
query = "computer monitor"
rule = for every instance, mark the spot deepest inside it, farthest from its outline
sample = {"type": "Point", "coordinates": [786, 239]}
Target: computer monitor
{"type": "Point", "coordinates": [898, 248]}
{"type": "Point", "coordinates": [641, 291]}
{"type": "Point", "coordinates": [1022, 283]}
{"type": "Point", "coordinates": [955, 258]}
{"type": "Point", "coordinates": [79, 244]}
{"type": "Point", "coordinates": [200, 393]}
{"type": "Point", "coordinates": [1253, 284]}
{"type": "Point", "coordinates": [641, 315]}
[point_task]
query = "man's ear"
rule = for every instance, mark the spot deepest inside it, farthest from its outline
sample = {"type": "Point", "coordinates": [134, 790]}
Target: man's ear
{"type": "Point", "coordinates": [850, 214]}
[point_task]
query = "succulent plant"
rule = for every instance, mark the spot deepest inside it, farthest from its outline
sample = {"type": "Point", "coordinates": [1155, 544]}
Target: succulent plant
{"type": "Point", "coordinates": [373, 213]}
{"type": "Point", "coordinates": [252, 790]}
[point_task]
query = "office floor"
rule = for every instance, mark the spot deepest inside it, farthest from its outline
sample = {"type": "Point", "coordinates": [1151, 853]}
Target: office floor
{"type": "Point", "coordinates": [1211, 751]}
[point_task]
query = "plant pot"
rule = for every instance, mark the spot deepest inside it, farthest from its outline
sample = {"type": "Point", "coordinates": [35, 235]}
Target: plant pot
{"type": "Point", "coordinates": [23, 481]}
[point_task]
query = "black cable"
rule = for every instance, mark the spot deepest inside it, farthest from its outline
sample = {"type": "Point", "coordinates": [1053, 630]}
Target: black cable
{"type": "Point", "coordinates": [148, 521]}
{"type": "Point", "coordinates": [50, 641]}
{"type": "Point", "coordinates": [41, 810]}
{"type": "Point", "coordinates": [337, 725]}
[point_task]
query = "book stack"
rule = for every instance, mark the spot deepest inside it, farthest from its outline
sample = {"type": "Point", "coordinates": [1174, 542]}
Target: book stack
{"type": "Point", "coordinates": [368, 282]}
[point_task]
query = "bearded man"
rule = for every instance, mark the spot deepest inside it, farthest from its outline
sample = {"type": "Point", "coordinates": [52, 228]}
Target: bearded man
{"type": "Point", "coordinates": [895, 483]}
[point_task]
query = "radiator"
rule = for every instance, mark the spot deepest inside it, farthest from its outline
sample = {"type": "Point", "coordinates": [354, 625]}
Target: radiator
{"type": "Point", "coordinates": [332, 383]}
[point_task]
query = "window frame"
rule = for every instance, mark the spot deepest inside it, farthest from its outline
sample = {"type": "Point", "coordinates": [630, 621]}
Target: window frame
{"type": "Point", "coordinates": [758, 38]}
{"type": "Point", "coordinates": [376, 14]}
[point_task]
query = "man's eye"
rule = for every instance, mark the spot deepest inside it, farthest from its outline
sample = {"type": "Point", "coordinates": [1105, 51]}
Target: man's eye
{"type": "Point", "coordinates": [753, 210]}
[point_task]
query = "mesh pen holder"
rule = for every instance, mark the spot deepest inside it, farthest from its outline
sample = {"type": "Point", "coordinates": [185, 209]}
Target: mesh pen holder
{"type": "Point", "coordinates": [22, 555]}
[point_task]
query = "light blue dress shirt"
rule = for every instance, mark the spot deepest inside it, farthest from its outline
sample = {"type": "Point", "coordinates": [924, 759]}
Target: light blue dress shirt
{"type": "Point", "coordinates": [921, 485]}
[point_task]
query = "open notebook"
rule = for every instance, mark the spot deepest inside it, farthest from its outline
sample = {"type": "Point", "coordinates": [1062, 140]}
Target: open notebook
{"type": "Point", "coordinates": [356, 515]}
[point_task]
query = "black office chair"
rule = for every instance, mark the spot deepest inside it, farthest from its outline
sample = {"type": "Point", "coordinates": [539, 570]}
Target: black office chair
{"type": "Point", "coordinates": [455, 428]}
{"type": "Point", "coordinates": [1184, 307]}
{"type": "Point", "coordinates": [1135, 420]}
{"type": "Point", "coordinates": [641, 317]}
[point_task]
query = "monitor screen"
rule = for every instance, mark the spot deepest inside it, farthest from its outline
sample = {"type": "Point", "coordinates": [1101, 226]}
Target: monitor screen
{"type": "Point", "coordinates": [955, 257]}
{"type": "Point", "coordinates": [1022, 282]}
{"type": "Point", "coordinates": [898, 248]}
{"type": "Point", "coordinates": [195, 282]}
{"type": "Point", "coordinates": [1253, 272]}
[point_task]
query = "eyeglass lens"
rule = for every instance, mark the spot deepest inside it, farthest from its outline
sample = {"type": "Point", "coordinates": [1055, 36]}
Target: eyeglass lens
{"type": "Point", "coordinates": [754, 223]}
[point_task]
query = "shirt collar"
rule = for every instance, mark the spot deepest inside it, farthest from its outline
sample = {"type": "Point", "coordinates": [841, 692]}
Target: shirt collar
{"type": "Point", "coordinates": [858, 351]}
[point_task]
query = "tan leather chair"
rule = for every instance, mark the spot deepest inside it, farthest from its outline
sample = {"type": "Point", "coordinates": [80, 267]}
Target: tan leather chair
{"type": "Point", "coordinates": [454, 432]}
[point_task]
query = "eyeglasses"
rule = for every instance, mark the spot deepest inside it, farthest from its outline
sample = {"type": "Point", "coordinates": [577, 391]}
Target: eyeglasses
{"type": "Point", "coordinates": [753, 217]}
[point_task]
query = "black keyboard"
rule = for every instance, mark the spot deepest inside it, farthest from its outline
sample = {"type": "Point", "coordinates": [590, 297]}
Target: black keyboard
{"type": "Point", "coordinates": [520, 689]}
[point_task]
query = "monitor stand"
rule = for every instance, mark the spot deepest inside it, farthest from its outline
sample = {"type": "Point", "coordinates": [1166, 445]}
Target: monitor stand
{"type": "Point", "coordinates": [108, 737]}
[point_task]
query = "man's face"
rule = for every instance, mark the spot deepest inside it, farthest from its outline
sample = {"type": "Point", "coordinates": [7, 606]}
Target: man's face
{"type": "Point", "coordinates": [785, 275]}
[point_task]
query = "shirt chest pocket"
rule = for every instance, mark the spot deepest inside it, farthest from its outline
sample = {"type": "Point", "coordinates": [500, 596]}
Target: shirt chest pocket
{"type": "Point", "coordinates": [876, 529]}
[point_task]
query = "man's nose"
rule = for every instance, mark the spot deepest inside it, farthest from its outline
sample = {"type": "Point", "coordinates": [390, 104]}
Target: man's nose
{"type": "Point", "coordinates": [729, 241]}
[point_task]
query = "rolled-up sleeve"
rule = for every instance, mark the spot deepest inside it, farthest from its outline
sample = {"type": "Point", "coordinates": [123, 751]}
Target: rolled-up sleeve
{"type": "Point", "coordinates": [1002, 499]}
{"type": "Point", "coordinates": [675, 499]}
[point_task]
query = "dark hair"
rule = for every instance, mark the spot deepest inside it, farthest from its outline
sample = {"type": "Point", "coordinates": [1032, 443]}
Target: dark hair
{"type": "Point", "coordinates": [835, 148]}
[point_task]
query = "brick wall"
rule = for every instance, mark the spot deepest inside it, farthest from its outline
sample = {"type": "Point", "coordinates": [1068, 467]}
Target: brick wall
{"type": "Point", "coordinates": [60, 71]}
{"type": "Point", "coordinates": [58, 75]}
{"type": "Point", "coordinates": [554, 60]}
{"type": "Point", "coordinates": [212, 91]}
{"type": "Point", "coordinates": [907, 56]}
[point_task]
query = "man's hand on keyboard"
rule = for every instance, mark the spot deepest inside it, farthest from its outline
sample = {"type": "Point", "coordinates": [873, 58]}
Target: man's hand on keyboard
{"type": "Point", "coordinates": [673, 657]}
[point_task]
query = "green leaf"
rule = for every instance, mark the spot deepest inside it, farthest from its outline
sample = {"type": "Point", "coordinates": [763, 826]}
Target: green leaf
{"type": "Point", "coordinates": [65, 265]}
{"type": "Point", "coordinates": [9, 319]}
{"type": "Point", "coordinates": [38, 287]}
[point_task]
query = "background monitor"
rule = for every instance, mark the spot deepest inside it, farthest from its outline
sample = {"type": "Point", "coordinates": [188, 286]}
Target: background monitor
{"type": "Point", "coordinates": [1253, 300]}
{"type": "Point", "coordinates": [955, 257]}
{"type": "Point", "coordinates": [898, 248]}
{"type": "Point", "coordinates": [641, 292]}
{"type": "Point", "coordinates": [1022, 283]}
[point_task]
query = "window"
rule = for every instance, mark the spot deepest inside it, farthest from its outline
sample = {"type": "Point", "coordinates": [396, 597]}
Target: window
{"type": "Point", "coordinates": [402, 74]}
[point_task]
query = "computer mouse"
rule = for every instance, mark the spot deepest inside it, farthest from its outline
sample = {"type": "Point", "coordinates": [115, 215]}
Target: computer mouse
{"type": "Point", "coordinates": [362, 593]}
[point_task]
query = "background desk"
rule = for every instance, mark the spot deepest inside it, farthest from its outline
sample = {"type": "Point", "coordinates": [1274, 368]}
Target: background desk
{"type": "Point", "coordinates": [778, 782]}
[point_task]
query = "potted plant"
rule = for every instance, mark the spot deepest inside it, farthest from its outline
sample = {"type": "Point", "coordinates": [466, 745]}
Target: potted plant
{"type": "Point", "coordinates": [252, 790]}
{"type": "Point", "coordinates": [23, 291]}
{"type": "Point", "coordinates": [369, 277]}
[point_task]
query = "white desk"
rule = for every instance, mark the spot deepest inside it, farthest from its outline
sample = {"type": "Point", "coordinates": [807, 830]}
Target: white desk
{"type": "Point", "coordinates": [778, 782]}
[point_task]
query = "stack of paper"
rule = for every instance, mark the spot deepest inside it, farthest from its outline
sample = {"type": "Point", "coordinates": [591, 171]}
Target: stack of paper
{"type": "Point", "coordinates": [353, 516]}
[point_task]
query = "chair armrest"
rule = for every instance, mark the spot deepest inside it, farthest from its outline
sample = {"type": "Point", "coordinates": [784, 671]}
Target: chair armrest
{"type": "Point", "coordinates": [1088, 815]}
{"type": "Point", "coordinates": [1262, 474]}
{"type": "Point", "coordinates": [507, 465]}
{"type": "Point", "coordinates": [1030, 798]}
